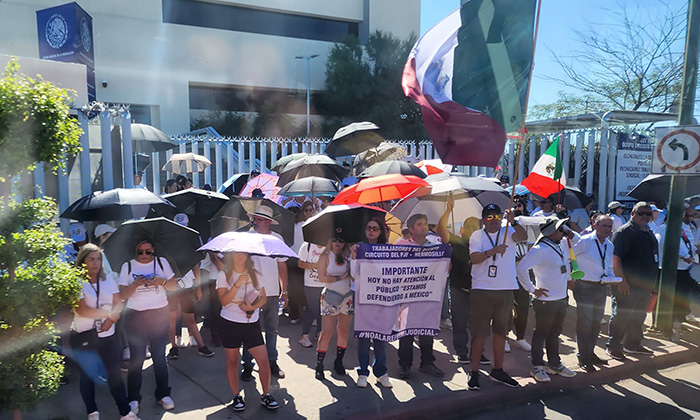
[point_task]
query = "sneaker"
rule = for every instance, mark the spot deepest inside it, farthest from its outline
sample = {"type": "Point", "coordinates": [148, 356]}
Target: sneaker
{"type": "Point", "coordinates": [174, 353]}
{"type": "Point", "coordinates": [338, 367]}
{"type": "Point", "coordinates": [587, 366]}
{"type": "Point", "coordinates": [95, 415]}
{"type": "Point", "coordinates": [691, 318]}
{"type": "Point", "coordinates": [305, 342]}
{"type": "Point", "coordinates": [247, 374]}
{"type": "Point", "coordinates": [294, 321]}
{"type": "Point", "coordinates": [463, 359]}
{"type": "Point", "coordinates": [507, 348]}
{"type": "Point", "coordinates": [561, 370]}
{"type": "Point", "coordinates": [598, 361]}
{"type": "Point", "coordinates": [268, 402]}
{"type": "Point", "coordinates": [179, 342]}
{"type": "Point", "coordinates": [484, 360]}
{"type": "Point", "coordinates": [319, 372]}
{"type": "Point", "coordinates": [432, 370]}
{"type": "Point", "coordinates": [238, 404]}
{"type": "Point", "coordinates": [130, 416]}
{"type": "Point", "coordinates": [167, 403]}
{"type": "Point", "coordinates": [473, 381]}
{"type": "Point", "coordinates": [204, 351]}
{"type": "Point", "coordinates": [616, 354]}
{"type": "Point", "coordinates": [276, 371]}
{"type": "Point", "coordinates": [134, 406]}
{"type": "Point", "coordinates": [540, 374]}
{"type": "Point", "coordinates": [126, 354]}
{"type": "Point", "coordinates": [384, 381]}
{"type": "Point", "coordinates": [446, 323]}
{"type": "Point", "coordinates": [362, 381]}
{"type": "Point", "coordinates": [500, 376]}
{"type": "Point", "coordinates": [148, 353]}
{"type": "Point", "coordinates": [522, 345]}
{"type": "Point", "coordinates": [638, 350]}
{"type": "Point", "coordinates": [405, 372]}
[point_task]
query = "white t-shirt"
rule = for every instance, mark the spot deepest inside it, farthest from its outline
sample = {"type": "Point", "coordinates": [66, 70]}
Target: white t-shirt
{"type": "Point", "coordinates": [310, 253]}
{"type": "Point", "coordinates": [89, 294]}
{"type": "Point", "coordinates": [269, 274]}
{"type": "Point", "coordinates": [617, 222]}
{"type": "Point", "coordinates": [233, 312]}
{"type": "Point", "coordinates": [145, 298]}
{"type": "Point", "coordinates": [333, 269]}
{"type": "Point", "coordinates": [542, 213]}
{"type": "Point", "coordinates": [580, 217]}
{"type": "Point", "coordinates": [187, 280]}
{"type": "Point", "coordinates": [505, 272]}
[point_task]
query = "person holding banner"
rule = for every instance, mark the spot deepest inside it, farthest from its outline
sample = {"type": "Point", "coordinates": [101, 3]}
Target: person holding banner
{"type": "Point", "coordinates": [550, 264]}
{"type": "Point", "coordinates": [493, 251]}
{"type": "Point", "coordinates": [336, 303]}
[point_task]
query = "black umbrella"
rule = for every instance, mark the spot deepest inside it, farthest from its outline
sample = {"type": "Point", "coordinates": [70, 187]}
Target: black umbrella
{"type": "Point", "coordinates": [148, 139]}
{"type": "Point", "coordinates": [286, 160]}
{"type": "Point", "coordinates": [353, 139]}
{"type": "Point", "coordinates": [658, 187]}
{"type": "Point", "coordinates": [345, 221]}
{"type": "Point", "coordinates": [175, 243]}
{"type": "Point", "coordinates": [311, 186]}
{"type": "Point", "coordinates": [234, 185]}
{"type": "Point", "coordinates": [234, 216]}
{"type": "Point", "coordinates": [117, 204]}
{"type": "Point", "coordinates": [392, 167]}
{"type": "Point", "coordinates": [314, 165]}
{"type": "Point", "coordinates": [571, 198]}
{"type": "Point", "coordinates": [196, 202]}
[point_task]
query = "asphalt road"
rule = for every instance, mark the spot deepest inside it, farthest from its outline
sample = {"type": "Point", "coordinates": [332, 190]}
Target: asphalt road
{"type": "Point", "coordinates": [668, 394]}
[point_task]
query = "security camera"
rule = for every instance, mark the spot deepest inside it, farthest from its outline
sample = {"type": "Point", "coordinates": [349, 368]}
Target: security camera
{"type": "Point", "coordinates": [104, 83]}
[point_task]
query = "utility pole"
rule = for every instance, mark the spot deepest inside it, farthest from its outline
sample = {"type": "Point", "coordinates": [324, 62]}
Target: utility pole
{"type": "Point", "coordinates": [308, 88]}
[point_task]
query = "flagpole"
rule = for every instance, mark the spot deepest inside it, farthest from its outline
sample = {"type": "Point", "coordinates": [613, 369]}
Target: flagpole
{"type": "Point", "coordinates": [522, 129]}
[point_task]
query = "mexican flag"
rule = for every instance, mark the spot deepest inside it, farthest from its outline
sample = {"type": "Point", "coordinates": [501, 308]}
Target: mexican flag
{"type": "Point", "coordinates": [469, 74]}
{"type": "Point", "coordinates": [547, 176]}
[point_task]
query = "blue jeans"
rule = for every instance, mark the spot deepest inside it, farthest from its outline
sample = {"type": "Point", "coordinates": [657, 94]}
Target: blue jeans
{"type": "Point", "coordinates": [590, 306]}
{"type": "Point", "coordinates": [313, 309]}
{"type": "Point", "coordinates": [627, 320]}
{"type": "Point", "coordinates": [549, 321]}
{"type": "Point", "coordinates": [269, 322]}
{"type": "Point", "coordinates": [460, 318]}
{"type": "Point", "coordinates": [109, 354]}
{"type": "Point", "coordinates": [148, 327]}
{"type": "Point", "coordinates": [379, 365]}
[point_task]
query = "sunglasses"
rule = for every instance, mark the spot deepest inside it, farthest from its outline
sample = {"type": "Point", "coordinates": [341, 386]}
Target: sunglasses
{"type": "Point", "coordinates": [341, 241]}
{"type": "Point", "coordinates": [492, 217]}
{"type": "Point", "coordinates": [644, 213]}
{"type": "Point", "coordinates": [146, 252]}
{"type": "Point", "coordinates": [373, 228]}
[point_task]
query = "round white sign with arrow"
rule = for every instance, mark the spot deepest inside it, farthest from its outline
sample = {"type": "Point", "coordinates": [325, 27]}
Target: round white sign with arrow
{"type": "Point", "coordinates": [677, 150]}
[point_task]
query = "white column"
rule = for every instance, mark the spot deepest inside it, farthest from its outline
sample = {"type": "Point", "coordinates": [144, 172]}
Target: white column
{"type": "Point", "coordinates": [107, 171]}
{"type": "Point", "coordinates": [219, 166]}
{"type": "Point", "coordinates": [155, 172]}
{"type": "Point", "coordinates": [322, 147]}
{"type": "Point", "coordinates": [195, 175]}
{"type": "Point", "coordinates": [590, 163]}
{"type": "Point", "coordinates": [295, 147]}
{"type": "Point", "coordinates": [532, 154]}
{"type": "Point", "coordinates": [577, 158]}
{"type": "Point", "coordinates": [263, 156]}
{"type": "Point", "coordinates": [241, 156]}
{"type": "Point", "coordinates": [566, 138]}
{"type": "Point", "coordinates": [273, 153]}
{"type": "Point", "coordinates": [127, 150]}
{"type": "Point", "coordinates": [229, 159]}
{"type": "Point", "coordinates": [603, 167]}
{"type": "Point", "coordinates": [168, 155]}
{"type": "Point", "coordinates": [612, 170]}
{"type": "Point", "coordinates": [85, 177]}
{"type": "Point", "coordinates": [251, 155]}
{"type": "Point", "coordinates": [511, 159]}
{"type": "Point", "coordinates": [207, 154]}
{"type": "Point", "coordinates": [63, 193]}
{"type": "Point", "coordinates": [40, 181]}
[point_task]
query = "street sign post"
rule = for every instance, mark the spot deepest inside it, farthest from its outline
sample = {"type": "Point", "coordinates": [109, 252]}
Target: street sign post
{"type": "Point", "coordinates": [677, 151]}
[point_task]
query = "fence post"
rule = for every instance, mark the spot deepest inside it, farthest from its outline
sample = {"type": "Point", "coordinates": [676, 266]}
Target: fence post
{"type": "Point", "coordinates": [590, 163]}
{"type": "Point", "coordinates": [603, 165]}
{"type": "Point", "coordinates": [85, 179]}
{"type": "Point", "coordinates": [273, 153]}
{"type": "Point", "coordinates": [107, 171]}
{"type": "Point", "coordinates": [229, 159]}
{"type": "Point", "coordinates": [566, 138]}
{"type": "Point", "coordinates": [195, 175]}
{"type": "Point", "coordinates": [612, 172]}
{"type": "Point", "coordinates": [207, 154]}
{"type": "Point", "coordinates": [219, 166]}
{"type": "Point", "coordinates": [155, 171]}
{"type": "Point", "coordinates": [532, 154]}
{"type": "Point", "coordinates": [263, 156]}
{"type": "Point", "coordinates": [577, 158]}
{"type": "Point", "coordinates": [241, 155]}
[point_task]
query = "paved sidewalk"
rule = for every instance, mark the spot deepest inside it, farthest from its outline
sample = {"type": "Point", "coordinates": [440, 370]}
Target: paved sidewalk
{"type": "Point", "coordinates": [200, 389]}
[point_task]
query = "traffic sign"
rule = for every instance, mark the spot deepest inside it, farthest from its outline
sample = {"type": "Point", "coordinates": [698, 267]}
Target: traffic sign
{"type": "Point", "coordinates": [677, 150]}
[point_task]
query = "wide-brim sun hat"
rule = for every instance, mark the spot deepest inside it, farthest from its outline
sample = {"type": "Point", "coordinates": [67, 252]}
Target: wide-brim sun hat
{"type": "Point", "coordinates": [266, 213]}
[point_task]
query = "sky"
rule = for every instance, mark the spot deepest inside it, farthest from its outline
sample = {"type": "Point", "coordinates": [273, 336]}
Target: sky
{"type": "Point", "coordinates": [559, 21]}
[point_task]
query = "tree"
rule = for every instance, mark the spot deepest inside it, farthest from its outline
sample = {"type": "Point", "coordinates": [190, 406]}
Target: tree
{"type": "Point", "coordinates": [636, 64]}
{"type": "Point", "coordinates": [363, 83]}
{"type": "Point", "coordinates": [568, 104]}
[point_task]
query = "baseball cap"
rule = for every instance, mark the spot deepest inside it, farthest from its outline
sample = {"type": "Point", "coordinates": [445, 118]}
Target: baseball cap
{"type": "Point", "coordinates": [614, 205]}
{"type": "Point", "coordinates": [102, 229]}
{"type": "Point", "coordinates": [491, 209]}
{"type": "Point", "coordinates": [78, 233]}
{"type": "Point", "coordinates": [181, 219]}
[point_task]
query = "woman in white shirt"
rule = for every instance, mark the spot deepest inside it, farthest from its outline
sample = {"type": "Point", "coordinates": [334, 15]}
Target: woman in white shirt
{"type": "Point", "coordinates": [241, 298]}
{"type": "Point", "coordinates": [93, 332]}
{"type": "Point", "coordinates": [336, 303]}
{"type": "Point", "coordinates": [295, 274]}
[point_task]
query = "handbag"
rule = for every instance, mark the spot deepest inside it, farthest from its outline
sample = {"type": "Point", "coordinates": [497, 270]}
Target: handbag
{"type": "Point", "coordinates": [334, 298]}
{"type": "Point", "coordinates": [84, 340]}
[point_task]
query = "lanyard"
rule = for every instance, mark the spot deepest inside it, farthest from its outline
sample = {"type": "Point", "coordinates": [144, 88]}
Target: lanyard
{"type": "Point", "coordinates": [554, 248]}
{"type": "Point", "coordinates": [97, 293]}
{"type": "Point", "coordinates": [498, 235]}
{"type": "Point", "coordinates": [602, 253]}
{"type": "Point", "coordinates": [685, 240]}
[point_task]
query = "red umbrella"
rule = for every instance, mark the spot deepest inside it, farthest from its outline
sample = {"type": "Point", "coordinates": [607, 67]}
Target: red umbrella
{"type": "Point", "coordinates": [380, 188]}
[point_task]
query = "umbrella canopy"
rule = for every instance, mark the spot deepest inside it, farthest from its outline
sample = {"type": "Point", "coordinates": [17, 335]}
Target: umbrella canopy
{"type": "Point", "coordinates": [392, 167]}
{"type": "Point", "coordinates": [314, 165]}
{"type": "Point", "coordinates": [267, 186]}
{"type": "Point", "coordinates": [250, 243]}
{"type": "Point", "coordinates": [353, 139]}
{"type": "Point", "coordinates": [520, 190]}
{"type": "Point", "coordinates": [285, 160]}
{"type": "Point", "coordinates": [380, 188]}
{"type": "Point", "coordinates": [385, 151]}
{"type": "Point", "coordinates": [234, 185]}
{"type": "Point", "coordinates": [148, 139]}
{"type": "Point", "coordinates": [312, 186]}
{"type": "Point", "coordinates": [185, 163]}
{"type": "Point", "coordinates": [658, 188]}
{"type": "Point", "coordinates": [175, 243]}
{"type": "Point", "coordinates": [434, 166]}
{"type": "Point", "coordinates": [117, 204]}
{"type": "Point", "coordinates": [571, 198]}
{"type": "Point", "coordinates": [234, 215]}
{"type": "Point", "coordinates": [196, 202]}
{"type": "Point", "coordinates": [344, 221]}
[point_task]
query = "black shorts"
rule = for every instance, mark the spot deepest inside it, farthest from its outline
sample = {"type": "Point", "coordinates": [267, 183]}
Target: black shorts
{"type": "Point", "coordinates": [235, 334]}
{"type": "Point", "coordinates": [184, 298]}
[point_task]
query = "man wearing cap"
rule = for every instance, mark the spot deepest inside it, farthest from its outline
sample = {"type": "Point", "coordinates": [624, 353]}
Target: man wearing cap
{"type": "Point", "coordinates": [594, 253]}
{"type": "Point", "coordinates": [492, 253]}
{"type": "Point", "coordinates": [615, 209]}
{"type": "Point", "coordinates": [78, 235]}
{"type": "Point", "coordinates": [273, 277]}
{"type": "Point", "coordinates": [636, 260]}
{"type": "Point", "coordinates": [550, 264]}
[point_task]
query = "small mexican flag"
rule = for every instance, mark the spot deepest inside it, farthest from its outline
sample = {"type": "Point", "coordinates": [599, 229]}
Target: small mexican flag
{"type": "Point", "coordinates": [547, 177]}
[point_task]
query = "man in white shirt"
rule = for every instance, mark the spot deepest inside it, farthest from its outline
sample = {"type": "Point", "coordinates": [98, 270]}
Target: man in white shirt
{"type": "Point", "coordinates": [594, 253]}
{"type": "Point", "coordinates": [684, 283]}
{"type": "Point", "coordinates": [550, 264]}
{"type": "Point", "coordinates": [273, 277]}
{"type": "Point", "coordinates": [546, 208]}
{"type": "Point", "coordinates": [492, 253]}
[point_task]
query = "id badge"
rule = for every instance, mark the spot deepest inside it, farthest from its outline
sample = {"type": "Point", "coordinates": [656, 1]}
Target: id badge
{"type": "Point", "coordinates": [656, 258]}
{"type": "Point", "coordinates": [563, 269]}
{"type": "Point", "coordinates": [98, 325]}
{"type": "Point", "coordinates": [493, 270]}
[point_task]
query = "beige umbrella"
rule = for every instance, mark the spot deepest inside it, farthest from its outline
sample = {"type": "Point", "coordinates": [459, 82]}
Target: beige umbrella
{"type": "Point", "coordinates": [185, 163]}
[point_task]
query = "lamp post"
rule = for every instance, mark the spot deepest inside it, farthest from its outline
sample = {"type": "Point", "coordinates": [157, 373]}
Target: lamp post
{"type": "Point", "coordinates": [308, 88]}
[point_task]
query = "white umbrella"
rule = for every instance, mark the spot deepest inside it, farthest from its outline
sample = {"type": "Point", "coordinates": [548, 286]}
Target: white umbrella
{"type": "Point", "coordinates": [250, 243]}
{"type": "Point", "coordinates": [185, 163]}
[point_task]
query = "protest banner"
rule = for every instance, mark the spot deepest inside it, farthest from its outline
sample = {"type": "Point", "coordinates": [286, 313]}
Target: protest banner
{"type": "Point", "coordinates": [399, 290]}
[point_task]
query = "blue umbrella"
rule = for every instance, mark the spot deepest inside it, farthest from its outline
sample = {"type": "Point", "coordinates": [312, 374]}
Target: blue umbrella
{"type": "Point", "coordinates": [233, 185]}
{"type": "Point", "coordinates": [519, 190]}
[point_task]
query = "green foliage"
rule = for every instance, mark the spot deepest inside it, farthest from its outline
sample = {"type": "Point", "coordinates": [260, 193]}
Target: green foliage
{"type": "Point", "coordinates": [37, 291]}
{"type": "Point", "coordinates": [568, 104]}
{"type": "Point", "coordinates": [363, 83]}
{"type": "Point", "coordinates": [35, 125]}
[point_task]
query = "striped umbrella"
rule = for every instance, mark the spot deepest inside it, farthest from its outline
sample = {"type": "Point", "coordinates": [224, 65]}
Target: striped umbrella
{"type": "Point", "coordinates": [185, 163]}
